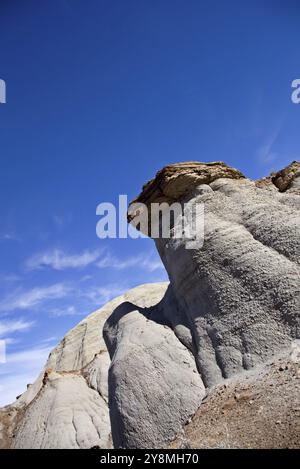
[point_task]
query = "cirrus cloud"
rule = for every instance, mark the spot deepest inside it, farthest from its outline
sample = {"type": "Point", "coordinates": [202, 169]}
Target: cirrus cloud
{"type": "Point", "coordinates": [22, 300]}
{"type": "Point", "coordinates": [59, 260]}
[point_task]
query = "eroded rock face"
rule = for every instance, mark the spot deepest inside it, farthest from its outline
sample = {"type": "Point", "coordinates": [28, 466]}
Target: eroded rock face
{"type": "Point", "coordinates": [66, 413]}
{"type": "Point", "coordinates": [237, 296]}
{"type": "Point", "coordinates": [154, 385]}
{"type": "Point", "coordinates": [67, 407]}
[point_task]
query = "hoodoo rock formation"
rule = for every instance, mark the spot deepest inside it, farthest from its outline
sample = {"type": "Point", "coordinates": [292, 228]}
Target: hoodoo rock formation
{"type": "Point", "coordinates": [206, 361]}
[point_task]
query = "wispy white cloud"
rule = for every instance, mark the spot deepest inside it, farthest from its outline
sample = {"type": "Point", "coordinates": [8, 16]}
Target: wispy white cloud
{"type": "Point", "coordinates": [11, 341]}
{"type": "Point", "coordinates": [8, 237]}
{"type": "Point", "coordinates": [62, 220]}
{"type": "Point", "coordinates": [266, 153]}
{"type": "Point", "coordinates": [29, 299]}
{"type": "Point", "coordinates": [151, 264]}
{"type": "Point", "coordinates": [9, 327]}
{"type": "Point", "coordinates": [145, 262]}
{"type": "Point", "coordinates": [84, 300]}
{"type": "Point", "coordinates": [58, 220]}
{"type": "Point", "coordinates": [10, 278]}
{"type": "Point", "coordinates": [85, 278]}
{"type": "Point", "coordinates": [21, 368]}
{"type": "Point", "coordinates": [50, 340]}
{"type": "Point", "coordinates": [28, 356]}
{"type": "Point", "coordinates": [69, 310]}
{"type": "Point", "coordinates": [101, 295]}
{"type": "Point", "coordinates": [14, 384]}
{"type": "Point", "coordinates": [59, 260]}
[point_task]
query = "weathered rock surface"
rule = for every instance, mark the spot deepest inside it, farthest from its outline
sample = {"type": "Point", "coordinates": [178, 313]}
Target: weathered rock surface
{"type": "Point", "coordinates": [154, 385]}
{"type": "Point", "coordinates": [238, 294]}
{"type": "Point", "coordinates": [66, 413]}
{"type": "Point", "coordinates": [174, 181]}
{"type": "Point", "coordinates": [67, 407]}
{"type": "Point", "coordinates": [288, 178]}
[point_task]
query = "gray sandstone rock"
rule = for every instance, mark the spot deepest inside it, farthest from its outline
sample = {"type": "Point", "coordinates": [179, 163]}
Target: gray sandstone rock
{"type": "Point", "coordinates": [238, 294]}
{"type": "Point", "coordinates": [154, 385]}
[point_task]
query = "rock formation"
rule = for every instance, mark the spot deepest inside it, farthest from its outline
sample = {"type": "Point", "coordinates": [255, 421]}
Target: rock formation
{"type": "Point", "coordinates": [67, 407]}
{"type": "Point", "coordinates": [206, 349]}
{"type": "Point", "coordinates": [154, 386]}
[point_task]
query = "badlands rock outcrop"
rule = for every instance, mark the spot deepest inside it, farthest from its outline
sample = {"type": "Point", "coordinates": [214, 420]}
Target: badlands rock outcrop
{"type": "Point", "coordinates": [67, 407]}
{"type": "Point", "coordinates": [206, 361]}
{"type": "Point", "coordinates": [239, 292]}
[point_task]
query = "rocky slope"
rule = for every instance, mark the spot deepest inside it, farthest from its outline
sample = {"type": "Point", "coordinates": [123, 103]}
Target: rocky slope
{"type": "Point", "coordinates": [256, 409]}
{"type": "Point", "coordinates": [209, 347]}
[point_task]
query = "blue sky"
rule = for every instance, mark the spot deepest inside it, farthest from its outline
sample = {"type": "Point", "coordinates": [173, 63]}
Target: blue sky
{"type": "Point", "coordinates": [100, 95]}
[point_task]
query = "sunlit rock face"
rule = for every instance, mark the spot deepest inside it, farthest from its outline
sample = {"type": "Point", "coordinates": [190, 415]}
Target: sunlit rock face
{"type": "Point", "coordinates": [154, 385]}
{"type": "Point", "coordinates": [237, 293]}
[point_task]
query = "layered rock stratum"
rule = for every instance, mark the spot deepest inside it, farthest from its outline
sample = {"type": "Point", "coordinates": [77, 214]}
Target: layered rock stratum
{"type": "Point", "coordinates": [211, 359]}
